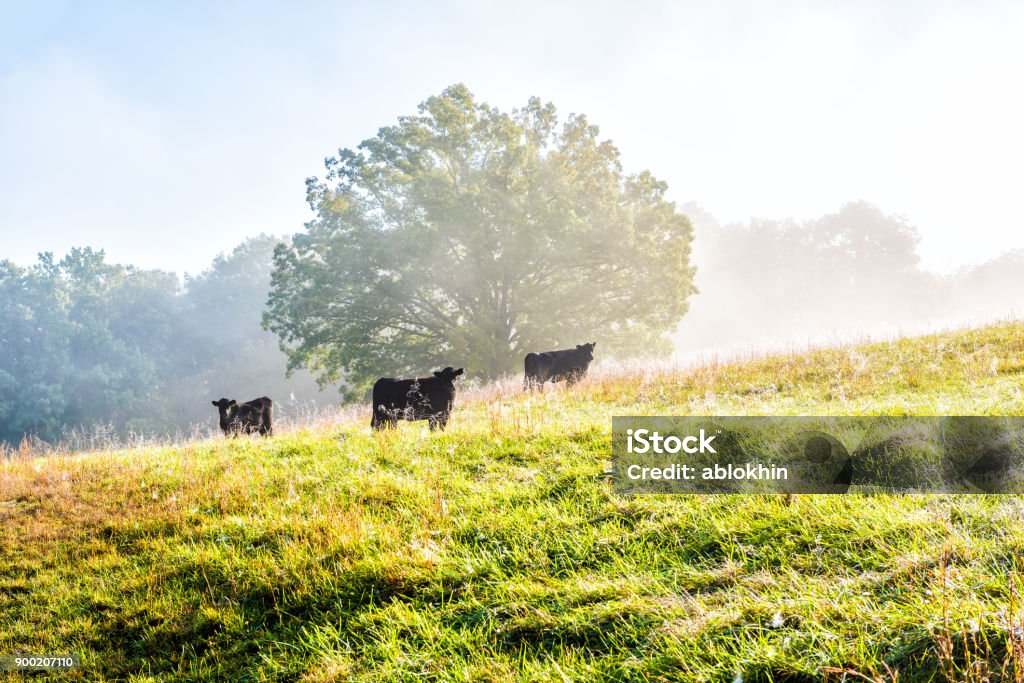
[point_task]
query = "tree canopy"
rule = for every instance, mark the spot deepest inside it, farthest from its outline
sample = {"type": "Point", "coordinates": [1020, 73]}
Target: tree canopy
{"type": "Point", "coordinates": [82, 342]}
{"type": "Point", "coordinates": [468, 236]}
{"type": "Point", "coordinates": [85, 343]}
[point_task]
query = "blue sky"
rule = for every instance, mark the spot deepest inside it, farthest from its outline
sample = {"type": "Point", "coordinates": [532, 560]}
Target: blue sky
{"type": "Point", "coordinates": [168, 133]}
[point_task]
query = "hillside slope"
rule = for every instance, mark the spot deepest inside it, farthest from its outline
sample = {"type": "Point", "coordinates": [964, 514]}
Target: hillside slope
{"type": "Point", "coordinates": [496, 551]}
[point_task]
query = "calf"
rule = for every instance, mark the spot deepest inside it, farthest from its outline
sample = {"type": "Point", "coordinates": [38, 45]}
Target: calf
{"type": "Point", "coordinates": [252, 417]}
{"type": "Point", "coordinates": [554, 366]}
{"type": "Point", "coordinates": [423, 398]}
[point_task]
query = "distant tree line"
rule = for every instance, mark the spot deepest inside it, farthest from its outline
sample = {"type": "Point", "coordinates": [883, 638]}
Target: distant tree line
{"type": "Point", "coordinates": [86, 342]}
{"type": "Point", "coordinates": [853, 272]}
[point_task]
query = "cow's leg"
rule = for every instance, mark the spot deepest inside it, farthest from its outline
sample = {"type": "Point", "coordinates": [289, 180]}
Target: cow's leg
{"type": "Point", "coordinates": [385, 422]}
{"type": "Point", "coordinates": [438, 421]}
{"type": "Point", "coordinates": [382, 419]}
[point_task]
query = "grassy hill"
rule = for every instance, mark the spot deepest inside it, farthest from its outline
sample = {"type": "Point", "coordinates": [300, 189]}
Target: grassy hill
{"type": "Point", "coordinates": [497, 551]}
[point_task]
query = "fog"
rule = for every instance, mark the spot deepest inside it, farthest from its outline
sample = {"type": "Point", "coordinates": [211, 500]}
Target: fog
{"type": "Point", "coordinates": [849, 276]}
{"type": "Point", "coordinates": [163, 135]}
{"type": "Point", "coordinates": [89, 348]}
{"type": "Point", "coordinates": [92, 350]}
{"type": "Point", "coordinates": [215, 113]}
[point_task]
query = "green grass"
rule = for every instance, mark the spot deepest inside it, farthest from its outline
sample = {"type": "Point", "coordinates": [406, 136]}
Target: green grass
{"type": "Point", "coordinates": [497, 550]}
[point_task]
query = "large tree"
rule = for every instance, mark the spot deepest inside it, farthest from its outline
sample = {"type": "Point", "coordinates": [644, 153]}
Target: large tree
{"type": "Point", "coordinates": [468, 236]}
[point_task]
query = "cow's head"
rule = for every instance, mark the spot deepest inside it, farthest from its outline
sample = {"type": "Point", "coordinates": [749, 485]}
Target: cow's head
{"type": "Point", "coordinates": [586, 351]}
{"type": "Point", "coordinates": [449, 374]}
{"type": "Point", "coordinates": [227, 408]}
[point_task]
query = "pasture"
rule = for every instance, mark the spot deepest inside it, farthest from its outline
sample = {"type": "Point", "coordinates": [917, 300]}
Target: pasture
{"type": "Point", "coordinates": [496, 550]}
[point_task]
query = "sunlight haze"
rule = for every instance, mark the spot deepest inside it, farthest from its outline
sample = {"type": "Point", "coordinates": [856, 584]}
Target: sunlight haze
{"type": "Point", "coordinates": [166, 136]}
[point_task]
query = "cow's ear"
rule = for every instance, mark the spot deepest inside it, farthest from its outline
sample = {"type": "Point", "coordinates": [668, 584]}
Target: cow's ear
{"type": "Point", "coordinates": [459, 371]}
{"type": "Point", "coordinates": [593, 345]}
{"type": "Point", "coordinates": [438, 373]}
{"type": "Point", "coordinates": [215, 403]}
{"type": "Point", "coordinates": [232, 402]}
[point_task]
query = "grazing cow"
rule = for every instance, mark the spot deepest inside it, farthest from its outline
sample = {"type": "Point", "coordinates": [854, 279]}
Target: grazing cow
{"type": "Point", "coordinates": [252, 417]}
{"type": "Point", "coordinates": [423, 398]}
{"type": "Point", "coordinates": [554, 366]}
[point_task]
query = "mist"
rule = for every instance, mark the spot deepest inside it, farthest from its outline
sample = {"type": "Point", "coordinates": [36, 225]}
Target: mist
{"type": "Point", "coordinates": [849, 276]}
{"type": "Point", "coordinates": [93, 348]}
{"type": "Point", "coordinates": [92, 351]}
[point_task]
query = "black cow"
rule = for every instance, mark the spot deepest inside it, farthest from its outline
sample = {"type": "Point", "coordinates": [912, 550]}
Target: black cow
{"type": "Point", "coordinates": [423, 398]}
{"type": "Point", "coordinates": [252, 417]}
{"type": "Point", "coordinates": [554, 366]}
